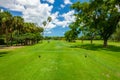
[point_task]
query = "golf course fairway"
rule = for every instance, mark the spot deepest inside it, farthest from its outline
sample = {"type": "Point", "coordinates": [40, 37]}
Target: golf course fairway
{"type": "Point", "coordinates": [60, 60]}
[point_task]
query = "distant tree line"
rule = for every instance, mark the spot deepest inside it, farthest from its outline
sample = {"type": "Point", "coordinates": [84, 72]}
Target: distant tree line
{"type": "Point", "coordinates": [95, 18]}
{"type": "Point", "coordinates": [54, 38]}
{"type": "Point", "coordinates": [14, 30]}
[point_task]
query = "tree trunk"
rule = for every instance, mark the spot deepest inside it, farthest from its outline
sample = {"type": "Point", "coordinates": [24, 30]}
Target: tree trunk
{"type": "Point", "coordinates": [82, 40]}
{"type": "Point", "coordinates": [105, 43]}
{"type": "Point", "coordinates": [11, 39]}
{"type": "Point", "coordinates": [91, 41]}
{"type": "Point", "coordinates": [6, 37]}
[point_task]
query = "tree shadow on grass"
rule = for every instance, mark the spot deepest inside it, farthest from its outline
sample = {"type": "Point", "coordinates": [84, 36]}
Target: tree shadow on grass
{"type": "Point", "coordinates": [2, 54]}
{"type": "Point", "coordinates": [97, 47]}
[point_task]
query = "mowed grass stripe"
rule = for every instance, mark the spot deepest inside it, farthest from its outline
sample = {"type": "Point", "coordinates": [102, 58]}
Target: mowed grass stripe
{"type": "Point", "coordinates": [59, 61]}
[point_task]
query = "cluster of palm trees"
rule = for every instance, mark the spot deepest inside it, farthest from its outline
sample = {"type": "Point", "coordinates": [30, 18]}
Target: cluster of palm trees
{"type": "Point", "coordinates": [13, 30]}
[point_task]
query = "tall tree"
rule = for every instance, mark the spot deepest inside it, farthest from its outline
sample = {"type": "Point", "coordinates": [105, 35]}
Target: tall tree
{"type": "Point", "coordinates": [6, 24]}
{"type": "Point", "coordinates": [103, 15]}
{"type": "Point", "coordinates": [15, 29]}
{"type": "Point", "coordinates": [45, 23]}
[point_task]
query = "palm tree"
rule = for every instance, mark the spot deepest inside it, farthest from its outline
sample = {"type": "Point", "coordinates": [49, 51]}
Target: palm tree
{"type": "Point", "coordinates": [16, 28]}
{"type": "Point", "coordinates": [6, 24]}
{"type": "Point", "coordinates": [45, 23]}
{"type": "Point", "coordinates": [19, 26]}
{"type": "Point", "coordinates": [49, 19]}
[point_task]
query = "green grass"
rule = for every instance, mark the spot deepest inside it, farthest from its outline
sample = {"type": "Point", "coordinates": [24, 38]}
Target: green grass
{"type": "Point", "coordinates": [61, 60]}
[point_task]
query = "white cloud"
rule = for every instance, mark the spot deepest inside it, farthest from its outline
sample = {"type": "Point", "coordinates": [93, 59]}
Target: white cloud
{"type": "Point", "coordinates": [51, 25]}
{"type": "Point", "coordinates": [68, 18]}
{"type": "Point", "coordinates": [62, 6]}
{"type": "Point", "coordinates": [67, 2]}
{"type": "Point", "coordinates": [28, 3]}
{"type": "Point", "coordinates": [11, 4]}
{"type": "Point", "coordinates": [19, 5]}
{"type": "Point", "coordinates": [61, 23]}
{"type": "Point", "coordinates": [37, 12]}
{"type": "Point", "coordinates": [50, 1]}
{"type": "Point", "coordinates": [32, 10]}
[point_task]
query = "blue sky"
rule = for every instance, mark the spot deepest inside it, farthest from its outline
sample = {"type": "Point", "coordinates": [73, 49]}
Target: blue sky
{"type": "Point", "coordinates": [37, 11]}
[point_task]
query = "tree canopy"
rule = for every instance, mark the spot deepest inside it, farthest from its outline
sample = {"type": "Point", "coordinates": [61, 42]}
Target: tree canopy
{"type": "Point", "coordinates": [15, 30]}
{"type": "Point", "coordinates": [99, 15]}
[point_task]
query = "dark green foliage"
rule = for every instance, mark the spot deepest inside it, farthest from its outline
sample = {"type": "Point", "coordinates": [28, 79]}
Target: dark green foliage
{"type": "Point", "coordinates": [101, 16]}
{"type": "Point", "coordinates": [106, 18]}
{"type": "Point", "coordinates": [72, 34]}
{"type": "Point", "coordinates": [2, 42]}
{"type": "Point", "coordinates": [18, 32]}
{"type": "Point", "coordinates": [54, 38]}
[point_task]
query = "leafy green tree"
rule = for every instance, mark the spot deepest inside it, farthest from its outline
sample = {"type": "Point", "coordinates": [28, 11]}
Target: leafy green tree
{"type": "Point", "coordinates": [31, 33]}
{"type": "Point", "coordinates": [17, 31]}
{"type": "Point", "coordinates": [17, 25]}
{"type": "Point", "coordinates": [69, 36]}
{"type": "Point", "coordinates": [106, 17]}
{"type": "Point", "coordinates": [6, 18]}
{"type": "Point", "coordinates": [91, 33]}
{"type": "Point", "coordinates": [102, 15]}
{"type": "Point", "coordinates": [72, 34]}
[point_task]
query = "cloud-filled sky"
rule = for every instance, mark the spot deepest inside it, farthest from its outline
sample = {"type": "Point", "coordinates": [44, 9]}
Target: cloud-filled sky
{"type": "Point", "coordinates": [38, 11]}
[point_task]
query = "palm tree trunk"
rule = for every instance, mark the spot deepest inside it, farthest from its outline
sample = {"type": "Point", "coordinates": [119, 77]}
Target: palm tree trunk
{"type": "Point", "coordinates": [11, 39]}
{"type": "Point", "coordinates": [82, 39]}
{"type": "Point", "coordinates": [6, 32]}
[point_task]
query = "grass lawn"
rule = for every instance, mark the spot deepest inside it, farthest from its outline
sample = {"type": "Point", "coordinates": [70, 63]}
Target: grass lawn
{"type": "Point", "coordinates": [60, 60]}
